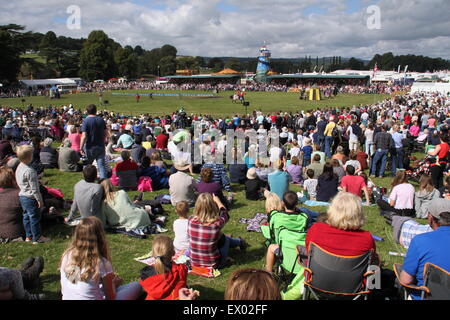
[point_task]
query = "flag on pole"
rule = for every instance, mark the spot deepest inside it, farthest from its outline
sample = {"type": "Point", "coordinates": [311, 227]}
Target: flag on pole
{"type": "Point", "coordinates": [399, 68]}
{"type": "Point", "coordinates": [375, 69]}
{"type": "Point", "coordinates": [406, 69]}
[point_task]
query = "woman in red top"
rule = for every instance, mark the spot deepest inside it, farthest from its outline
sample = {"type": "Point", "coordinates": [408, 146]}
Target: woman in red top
{"type": "Point", "coordinates": [341, 232]}
{"type": "Point", "coordinates": [437, 169]}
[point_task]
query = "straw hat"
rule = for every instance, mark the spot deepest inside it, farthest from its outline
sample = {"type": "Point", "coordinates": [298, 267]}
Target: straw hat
{"type": "Point", "coordinates": [181, 165]}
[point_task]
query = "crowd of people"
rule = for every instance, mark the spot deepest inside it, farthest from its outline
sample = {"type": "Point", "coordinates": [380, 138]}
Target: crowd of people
{"type": "Point", "coordinates": [326, 152]}
{"type": "Point", "coordinates": [328, 87]}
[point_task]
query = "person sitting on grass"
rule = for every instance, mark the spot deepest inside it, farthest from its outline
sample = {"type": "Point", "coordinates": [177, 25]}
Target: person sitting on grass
{"type": "Point", "coordinates": [119, 211]}
{"type": "Point", "coordinates": [11, 220]}
{"type": "Point", "coordinates": [327, 184]}
{"type": "Point", "coordinates": [180, 227]}
{"type": "Point", "coordinates": [310, 185]}
{"type": "Point", "coordinates": [279, 179]}
{"type": "Point", "coordinates": [87, 196]}
{"type": "Point", "coordinates": [254, 186]}
{"type": "Point", "coordinates": [125, 140]}
{"type": "Point", "coordinates": [295, 171]}
{"type": "Point", "coordinates": [209, 186]}
{"type": "Point", "coordinates": [401, 199]}
{"type": "Point", "coordinates": [353, 162]}
{"type": "Point", "coordinates": [127, 172]}
{"type": "Point", "coordinates": [424, 196]}
{"type": "Point", "coordinates": [159, 176]}
{"type": "Point", "coordinates": [86, 270]}
{"type": "Point", "coordinates": [164, 280]}
{"type": "Point", "coordinates": [68, 159]}
{"type": "Point", "coordinates": [208, 246]}
{"type": "Point", "coordinates": [355, 184]}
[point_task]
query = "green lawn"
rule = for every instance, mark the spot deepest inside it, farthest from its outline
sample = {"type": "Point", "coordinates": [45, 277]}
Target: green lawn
{"type": "Point", "coordinates": [125, 249]}
{"type": "Point", "coordinates": [220, 106]}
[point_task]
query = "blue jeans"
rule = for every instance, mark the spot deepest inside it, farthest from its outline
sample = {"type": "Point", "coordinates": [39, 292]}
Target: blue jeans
{"type": "Point", "coordinates": [370, 148]}
{"type": "Point", "coordinates": [380, 155]}
{"type": "Point", "coordinates": [321, 143]}
{"type": "Point", "coordinates": [328, 144]}
{"type": "Point", "coordinates": [98, 153]}
{"type": "Point", "coordinates": [397, 160]}
{"type": "Point", "coordinates": [230, 243]}
{"type": "Point", "coordinates": [31, 217]}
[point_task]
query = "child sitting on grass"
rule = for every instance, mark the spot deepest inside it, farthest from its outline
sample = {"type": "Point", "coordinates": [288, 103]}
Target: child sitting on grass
{"type": "Point", "coordinates": [164, 280]}
{"type": "Point", "coordinates": [29, 195]}
{"type": "Point", "coordinates": [180, 226]}
{"type": "Point", "coordinates": [310, 185]}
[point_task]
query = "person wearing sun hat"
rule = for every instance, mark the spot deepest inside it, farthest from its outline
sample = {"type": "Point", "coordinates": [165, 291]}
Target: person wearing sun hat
{"type": "Point", "coordinates": [254, 187]}
{"type": "Point", "coordinates": [430, 247]}
{"type": "Point", "coordinates": [182, 185]}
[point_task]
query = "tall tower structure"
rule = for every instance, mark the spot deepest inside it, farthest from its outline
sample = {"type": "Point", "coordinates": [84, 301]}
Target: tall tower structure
{"type": "Point", "coordinates": [263, 64]}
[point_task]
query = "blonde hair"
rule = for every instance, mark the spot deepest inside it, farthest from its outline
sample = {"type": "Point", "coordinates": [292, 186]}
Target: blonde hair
{"type": "Point", "coordinates": [252, 284]}
{"type": "Point", "coordinates": [345, 212]}
{"type": "Point", "coordinates": [278, 165]}
{"type": "Point", "coordinates": [206, 210]}
{"type": "Point", "coordinates": [25, 153]}
{"type": "Point", "coordinates": [109, 191]}
{"type": "Point", "coordinates": [273, 202]}
{"type": "Point", "coordinates": [86, 251]}
{"type": "Point", "coordinates": [163, 251]}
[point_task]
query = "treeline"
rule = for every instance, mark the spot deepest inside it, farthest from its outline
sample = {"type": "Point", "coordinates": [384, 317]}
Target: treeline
{"type": "Point", "coordinates": [100, 57]}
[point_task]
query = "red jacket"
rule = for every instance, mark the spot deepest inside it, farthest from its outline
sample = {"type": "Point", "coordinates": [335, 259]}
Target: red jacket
{"type": "Point", "coordinates": [161, 141]}
{"type": "Point", "coordinates": [166, 286]}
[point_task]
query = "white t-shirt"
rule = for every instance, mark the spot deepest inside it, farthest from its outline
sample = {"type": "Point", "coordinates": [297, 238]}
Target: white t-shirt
{"type": "Point", "coordinates": [275, 154]}
{"type": "Point", "coordinates": [180, 228]}
{"type": "Point", "coordinates": [92, 290]}
{"type": "Point", "coordinates": [294, 152]}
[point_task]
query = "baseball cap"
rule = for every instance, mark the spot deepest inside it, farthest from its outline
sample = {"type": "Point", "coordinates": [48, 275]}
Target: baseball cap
{"type": "Point", "coordinates": [438, 206]}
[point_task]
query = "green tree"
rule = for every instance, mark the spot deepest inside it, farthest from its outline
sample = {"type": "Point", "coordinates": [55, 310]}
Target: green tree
{"type": "Point", "coordinates": [10, 61]}
{"type": "Point", "coordinates": [168, 51]}
{"type": "Point", "coordinates": [234, 64]}
{"type": "Point", "coordinates": [97, 57]}
{"type": "Point", "coordinates": [168, 66]}
{"type": "Point", "coordinates": [126, 62]}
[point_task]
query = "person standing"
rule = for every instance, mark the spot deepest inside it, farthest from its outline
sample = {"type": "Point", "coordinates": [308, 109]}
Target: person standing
{"type": "Point", "coordinates": [30, 197]}
{"type": "Point", "coordinates": [329, 137]}
{"type": "Point", "coordinates": [383, 141]}
{"type": "Point", "coordinates": [93, 139]}
{"type": "Point", "coordinates": [397, 152]}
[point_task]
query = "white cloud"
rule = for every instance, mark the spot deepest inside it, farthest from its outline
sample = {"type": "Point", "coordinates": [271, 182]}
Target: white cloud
{"type": "Point", "coordinates": [199, 27]}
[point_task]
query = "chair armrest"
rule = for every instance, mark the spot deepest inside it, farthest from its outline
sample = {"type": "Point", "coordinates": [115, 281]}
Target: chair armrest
{"type": "Point", "coordinates": [398, 269]}
{"type": "Point", "coordinates": [302, 255]}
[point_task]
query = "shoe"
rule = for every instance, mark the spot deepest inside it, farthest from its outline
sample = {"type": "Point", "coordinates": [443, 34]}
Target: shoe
{"type": "Point", "coordinates": [139, 197]}
{"type": "Point", "coordinates": [39, 261]}
{"type": "Point", "coordinates": [42, 239]}
{"type": "Point", "coordinates": [40, 296]}
{"type": "Point", "coordinates": [372, 176]}
{"type": "Point", "coordinates": [28, 239]}
{"type": "Point", "coordinates": [27, 263]}
{"type": "Point", "coordinates": [244, 245]}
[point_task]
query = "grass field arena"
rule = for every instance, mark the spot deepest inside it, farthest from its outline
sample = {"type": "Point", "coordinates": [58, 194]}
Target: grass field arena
{"type": "Point", "coordinates": [124, 249]}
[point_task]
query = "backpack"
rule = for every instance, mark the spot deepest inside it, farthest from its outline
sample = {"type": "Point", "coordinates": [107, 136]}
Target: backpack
{"type": "Point", "coordinates": [145, 184]}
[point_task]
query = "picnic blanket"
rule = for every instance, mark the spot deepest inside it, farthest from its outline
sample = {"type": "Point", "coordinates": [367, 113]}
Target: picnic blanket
{"type": "Point", "coordinates": [182, 257]}
{"type": "Point", "coordinates": [311, 203]}
{"type": "Point", "coordinates": [254, 224]}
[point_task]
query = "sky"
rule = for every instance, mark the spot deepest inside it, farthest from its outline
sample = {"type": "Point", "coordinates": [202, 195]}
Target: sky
{"type": "Point", "coordinates": [291, 28]}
